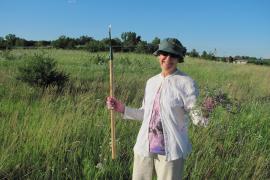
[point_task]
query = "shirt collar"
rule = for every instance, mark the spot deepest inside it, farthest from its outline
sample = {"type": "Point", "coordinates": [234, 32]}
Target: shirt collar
{"type": "Point", "coordinates": [175, 72]}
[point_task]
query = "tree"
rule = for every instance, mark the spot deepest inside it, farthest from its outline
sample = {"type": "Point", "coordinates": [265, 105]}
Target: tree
{"type": "Point", "coordinates": [142, 47]}
{"type": "Point", "coordinates": [156, 41]}
{"type": "Point", "coordinates": [64, 42]}
{"type": "Point", "coordinates": [10, 39]}
{"type": "Point", "coordinates": [229, 59]}
{"type": "Point", "coordinates": [204, 55]}
{"type": "Point", "coordinates": [153, 46]}
{"type": "Point", "coordinates": [194, 53]}
{"type": "Point", "coordinates": [130, 40]}
{"type": "Point", "coordinates": [42, 43]}
{"type": "Point", "coordinates": [94, 46]}
{"type": "Point", "coordinates": [116, 44]}
{"type": "Point", "coordinates": [60, 42]}
{"type": "Point", "coordinates": [30, 43]}
{"type": "Point", "coordinates": [83, 40]}
{"type": "Point", "coordinates": [20, 42]}
{"type": "Point", "coordinates": [2, 43]}
{"type": "Point", "coordinates": [209, 56]}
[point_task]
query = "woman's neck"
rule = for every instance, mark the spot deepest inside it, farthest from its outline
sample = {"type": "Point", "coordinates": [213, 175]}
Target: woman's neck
{"type": "Point", "coordinates": [167, 73]}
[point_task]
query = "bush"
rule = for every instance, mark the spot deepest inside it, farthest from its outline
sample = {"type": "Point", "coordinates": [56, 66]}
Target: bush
{"type": "Point", "coordinates": [41, 71]}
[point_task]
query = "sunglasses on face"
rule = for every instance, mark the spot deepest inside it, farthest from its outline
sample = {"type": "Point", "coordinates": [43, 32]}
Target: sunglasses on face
{"type": "Point", "coordinates": [169, 54]}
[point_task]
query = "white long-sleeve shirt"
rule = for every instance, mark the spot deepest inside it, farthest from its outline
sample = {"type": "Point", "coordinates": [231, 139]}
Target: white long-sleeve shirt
{"type": "Point", "coordinates": [178, 97]}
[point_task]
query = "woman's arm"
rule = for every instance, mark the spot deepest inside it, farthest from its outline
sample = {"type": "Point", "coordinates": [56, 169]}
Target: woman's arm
{"type": "Point", "coordinates": [128, 113]}
{"type": "Point", "coordinates": [194, 110]}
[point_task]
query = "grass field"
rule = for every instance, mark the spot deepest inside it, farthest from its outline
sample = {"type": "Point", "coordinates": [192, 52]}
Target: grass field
{"type": "Point", "coordinates": [47, 135]}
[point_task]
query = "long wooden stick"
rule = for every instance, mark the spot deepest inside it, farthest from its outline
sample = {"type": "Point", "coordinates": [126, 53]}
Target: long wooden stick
{"type": "Point", "coordinates": [112, 95]}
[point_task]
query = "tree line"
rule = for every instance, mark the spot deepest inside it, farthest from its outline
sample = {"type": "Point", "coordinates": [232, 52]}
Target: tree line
{"type": "Point", "coordinates": [129, 42]}
{"type": "Point", "coordinates": [230, 59]}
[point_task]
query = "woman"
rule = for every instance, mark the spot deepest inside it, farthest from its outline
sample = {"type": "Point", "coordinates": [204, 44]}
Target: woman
{"type": "Point", "coordinates": [162, 143]}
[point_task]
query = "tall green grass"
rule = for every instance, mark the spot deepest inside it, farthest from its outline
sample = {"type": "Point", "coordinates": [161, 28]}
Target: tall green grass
{"type": "Point", "coordinates": [52, 135]}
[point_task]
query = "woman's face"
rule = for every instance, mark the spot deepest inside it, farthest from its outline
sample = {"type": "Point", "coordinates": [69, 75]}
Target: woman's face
{"type": "Point", "coordinates": [168, 63]}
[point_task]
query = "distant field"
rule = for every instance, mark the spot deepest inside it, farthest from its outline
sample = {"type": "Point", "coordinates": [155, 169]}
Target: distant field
{"type": "Point", "coordinates": [66, 136]}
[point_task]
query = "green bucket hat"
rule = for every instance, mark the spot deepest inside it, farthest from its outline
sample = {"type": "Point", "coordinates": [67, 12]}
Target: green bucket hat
{"type": "Point", "coordinates": [172, 46]}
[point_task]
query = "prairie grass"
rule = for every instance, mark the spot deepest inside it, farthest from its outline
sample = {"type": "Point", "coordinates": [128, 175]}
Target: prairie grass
{"type": "Point", "coordinates": [52, 135]}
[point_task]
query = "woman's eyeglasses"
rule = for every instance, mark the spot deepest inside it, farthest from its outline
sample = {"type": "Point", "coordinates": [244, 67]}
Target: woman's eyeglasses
{"type": "Point", "coordinates": [169, 54]}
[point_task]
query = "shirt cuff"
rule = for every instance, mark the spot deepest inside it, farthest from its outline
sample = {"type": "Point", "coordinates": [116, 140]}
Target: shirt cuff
{"type": "Point", "coordinates": [198, 119]}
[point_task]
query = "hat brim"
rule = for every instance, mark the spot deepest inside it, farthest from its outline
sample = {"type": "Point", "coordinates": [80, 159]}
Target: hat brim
{"type": "Point", "coordinates": [156, 53]}
{"type": "Point", "coordinates": [171, 51]}
{"type": "Point", "coordinates": [180, 59]}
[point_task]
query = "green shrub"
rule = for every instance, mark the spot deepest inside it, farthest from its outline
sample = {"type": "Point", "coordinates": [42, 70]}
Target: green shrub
{"type": "Point", "coordinates": [41, 71]}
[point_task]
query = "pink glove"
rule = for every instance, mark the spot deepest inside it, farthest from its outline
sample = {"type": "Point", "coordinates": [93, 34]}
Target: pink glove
{"type": "Point", "coordinates": [113, 103]}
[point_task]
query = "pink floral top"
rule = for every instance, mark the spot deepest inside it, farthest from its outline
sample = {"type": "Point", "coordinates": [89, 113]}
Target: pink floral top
{"type": "Point", "coordinates": [156, 138]}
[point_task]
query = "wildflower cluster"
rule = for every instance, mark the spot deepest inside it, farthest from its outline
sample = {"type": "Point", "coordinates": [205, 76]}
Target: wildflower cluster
{"type": "Point", "coordinates": [218, 98]}
{"type": "Point", "coordinates": [208, 106]}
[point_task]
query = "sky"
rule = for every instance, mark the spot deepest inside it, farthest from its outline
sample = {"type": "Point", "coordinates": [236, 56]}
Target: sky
{"type": "Point", "coordinates": [226, 27]}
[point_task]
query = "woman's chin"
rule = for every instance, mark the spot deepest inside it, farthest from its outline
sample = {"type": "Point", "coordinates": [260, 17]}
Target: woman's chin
{"type": "Point", "coordinates": [169, 67]}
{"type": "Point", "coordinates": [166, 67]}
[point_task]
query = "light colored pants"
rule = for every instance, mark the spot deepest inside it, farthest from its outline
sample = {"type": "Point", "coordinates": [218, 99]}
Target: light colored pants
{"type": "Point", "coordinates": [144, 167]}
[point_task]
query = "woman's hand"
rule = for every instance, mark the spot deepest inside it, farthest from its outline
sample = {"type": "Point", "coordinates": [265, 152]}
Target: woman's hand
{"type": "Point", "coordinates": [113, 103]}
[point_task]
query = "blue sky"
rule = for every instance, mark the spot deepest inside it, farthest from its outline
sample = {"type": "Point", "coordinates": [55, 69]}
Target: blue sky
{"type": "Point", "coordinates": [232, 27]}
